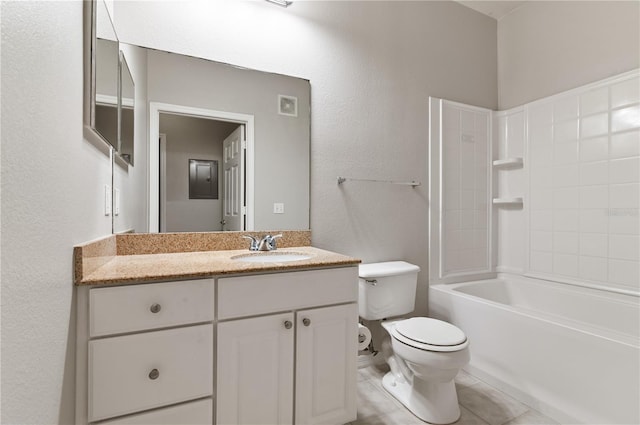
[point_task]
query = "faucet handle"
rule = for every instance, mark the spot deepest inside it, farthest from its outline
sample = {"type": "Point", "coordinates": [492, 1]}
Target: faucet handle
{"type": "Point", "coordinates": [271, 241]}
{"type": "Point", "coordinates": [254, 242]}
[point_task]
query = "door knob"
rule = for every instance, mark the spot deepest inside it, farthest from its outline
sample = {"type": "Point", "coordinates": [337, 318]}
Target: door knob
{"type": "Point", "coordinates": [288, 324]}
{"type": "Point", "coordinates": [306, 321]}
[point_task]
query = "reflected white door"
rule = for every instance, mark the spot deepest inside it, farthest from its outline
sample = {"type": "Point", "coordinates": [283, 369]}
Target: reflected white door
{"type": "Point", "coordinates": [233, 181]}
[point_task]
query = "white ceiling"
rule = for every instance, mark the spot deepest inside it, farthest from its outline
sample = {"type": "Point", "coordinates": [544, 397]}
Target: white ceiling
{"type": "Point", "coordinates": [495, 9]}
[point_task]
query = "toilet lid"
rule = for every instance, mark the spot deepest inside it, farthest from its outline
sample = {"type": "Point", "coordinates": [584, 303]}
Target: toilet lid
{"type": "Point", "coordinates": [431, 331]}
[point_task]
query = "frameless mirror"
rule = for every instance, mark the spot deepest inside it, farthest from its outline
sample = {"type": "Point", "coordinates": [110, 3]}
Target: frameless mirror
{"type": "Point", "coordinates": [105, 59]}
{"type": "Point", "coordinates": [127, 107]}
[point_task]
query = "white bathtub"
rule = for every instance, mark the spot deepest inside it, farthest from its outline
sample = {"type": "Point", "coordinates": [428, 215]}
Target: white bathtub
{"type": "Point", "coordinates": [572, 353]}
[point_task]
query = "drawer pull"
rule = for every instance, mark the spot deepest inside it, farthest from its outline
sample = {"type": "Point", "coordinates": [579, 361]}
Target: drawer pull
{"type": "Point", "coordinates": [154, 374]}
{"type": "Point", "coordinates": [288, 324]}
{"type": "Point", "coordinates": [306, 321]}
{"type": "Point", "coordinates": [155, 307]}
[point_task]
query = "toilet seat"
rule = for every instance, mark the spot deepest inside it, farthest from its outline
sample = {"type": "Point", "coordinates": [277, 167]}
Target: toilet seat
{"type": "Point", "coordinates": [429, 334]}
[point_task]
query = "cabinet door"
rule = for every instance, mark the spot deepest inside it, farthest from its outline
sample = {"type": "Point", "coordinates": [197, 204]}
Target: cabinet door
{"type": "Point", "coordinates": [255, 371]}
{"type": "Point", "coordinates": [326, 365]}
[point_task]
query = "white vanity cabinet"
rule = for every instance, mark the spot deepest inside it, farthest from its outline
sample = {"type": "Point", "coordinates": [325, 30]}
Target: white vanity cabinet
{"type": "Point", "coordinates": [146, 347]}
{"type": "Point", "coordinates": [276, 348]}
{"type": "Point", "coordinates": [302, 334]}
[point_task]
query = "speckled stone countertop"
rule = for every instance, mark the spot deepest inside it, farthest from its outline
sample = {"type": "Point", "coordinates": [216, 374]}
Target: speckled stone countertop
{"type": "Point", "coordinates": [112, 260]}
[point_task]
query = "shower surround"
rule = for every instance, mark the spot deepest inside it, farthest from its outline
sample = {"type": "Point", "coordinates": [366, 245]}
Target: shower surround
{"type": "Point", "coordinates": [563, 218]}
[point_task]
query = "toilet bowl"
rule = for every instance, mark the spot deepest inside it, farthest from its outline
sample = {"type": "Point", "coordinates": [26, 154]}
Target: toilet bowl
{"type": "Point", "coordinates": [423, 367]}
{"type": "Point", "coordinates": [424, 354]}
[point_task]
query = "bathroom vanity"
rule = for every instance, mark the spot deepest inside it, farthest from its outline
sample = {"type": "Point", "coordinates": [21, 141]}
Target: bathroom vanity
{"type": "Point", "coordinates": [223, 341]}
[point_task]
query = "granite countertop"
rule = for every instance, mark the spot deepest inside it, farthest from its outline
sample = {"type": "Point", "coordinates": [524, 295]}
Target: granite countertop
{"type": "Point", "coordinates": [161, 266]}
{"type": "Point", "coordinates": [184, 265]}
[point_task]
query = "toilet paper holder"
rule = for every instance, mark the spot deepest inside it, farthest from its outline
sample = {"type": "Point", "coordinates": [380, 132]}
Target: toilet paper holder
{"type": "Point", "coordinates": [364, 337]}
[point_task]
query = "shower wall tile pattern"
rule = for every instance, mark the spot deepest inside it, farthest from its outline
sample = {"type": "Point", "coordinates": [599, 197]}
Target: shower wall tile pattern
{"type": "Point", "coordinates": [584, 185]}
{"type": "Point", "coordinates": [465, 192]}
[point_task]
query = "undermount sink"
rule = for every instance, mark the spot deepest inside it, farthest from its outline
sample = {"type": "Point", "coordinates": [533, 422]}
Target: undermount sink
{"type": "Point", "coordinates": [271, 257]}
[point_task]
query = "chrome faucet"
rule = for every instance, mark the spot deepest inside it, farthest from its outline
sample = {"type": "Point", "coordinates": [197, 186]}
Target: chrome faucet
{"type": "Point", "coordinates": [267, 243]}
{"type": "Point", "coordinates": [253, 246]}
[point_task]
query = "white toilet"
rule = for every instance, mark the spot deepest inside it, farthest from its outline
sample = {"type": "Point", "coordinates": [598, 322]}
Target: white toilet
{"type": "Point", "coordinates": [424, 354]}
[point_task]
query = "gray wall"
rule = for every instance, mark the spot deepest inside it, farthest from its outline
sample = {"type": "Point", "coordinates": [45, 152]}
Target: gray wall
{"type": "Point", "coordinates": [52, 198]}
{"type": "Point", "coordinates": [546, 47]}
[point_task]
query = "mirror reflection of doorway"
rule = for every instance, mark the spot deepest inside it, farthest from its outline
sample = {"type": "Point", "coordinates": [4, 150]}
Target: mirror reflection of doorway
{"type": "Point", "coordinates": [184, 138]}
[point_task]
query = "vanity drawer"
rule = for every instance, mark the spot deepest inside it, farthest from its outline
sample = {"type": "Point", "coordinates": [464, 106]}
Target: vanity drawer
{"type": "Point", "coordinates": [195, 413]}
{"type": "Point", "coordinates": [270, 293]}
{"type": "Point", "coordinates": [133, 308]}
{"type": "Point", "coordinates": [132, 373]}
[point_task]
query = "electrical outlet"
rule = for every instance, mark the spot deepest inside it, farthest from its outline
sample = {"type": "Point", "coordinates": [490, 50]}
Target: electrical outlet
{"type": "Point", "coordinates": [278, 208]}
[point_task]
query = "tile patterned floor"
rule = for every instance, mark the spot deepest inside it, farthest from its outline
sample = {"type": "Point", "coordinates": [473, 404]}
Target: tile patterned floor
{"type": "Point", "coordinates": [480, 404]}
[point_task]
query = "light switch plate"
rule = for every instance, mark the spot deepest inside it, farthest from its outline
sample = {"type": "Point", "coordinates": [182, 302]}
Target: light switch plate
{"type": "Point", "coordinates": [107, 200]}
{"type": "Point", "coordinates": [278, 208]}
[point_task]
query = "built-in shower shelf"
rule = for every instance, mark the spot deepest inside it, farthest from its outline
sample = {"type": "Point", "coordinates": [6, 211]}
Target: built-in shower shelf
{"type": "Point", "coordinates": [508, 201]}
{"type": "Point", "coordinates": [508, 162]}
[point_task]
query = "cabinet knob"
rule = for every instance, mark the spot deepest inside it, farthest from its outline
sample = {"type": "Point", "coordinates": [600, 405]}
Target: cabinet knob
{"type": "Point", "coordinates": [288, 324]}
{"type": "Point", "coordinates": [155, 307]}
{"type": "Point", "coordinates": [306, 321]}
{"type": "Point", "coordinates": [153, 375]}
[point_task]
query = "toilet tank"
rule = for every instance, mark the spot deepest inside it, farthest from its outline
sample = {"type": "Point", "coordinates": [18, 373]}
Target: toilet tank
{"type": "Point", "coordinates": [386, 289]}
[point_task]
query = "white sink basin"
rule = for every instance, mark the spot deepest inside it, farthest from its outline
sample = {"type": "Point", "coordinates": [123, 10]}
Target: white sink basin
{"type": "Point", "coordinates": [271, 257]}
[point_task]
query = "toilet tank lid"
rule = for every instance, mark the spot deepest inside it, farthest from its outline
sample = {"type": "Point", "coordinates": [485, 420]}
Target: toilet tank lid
{"type": "Point", "coordinates": [388, 268]}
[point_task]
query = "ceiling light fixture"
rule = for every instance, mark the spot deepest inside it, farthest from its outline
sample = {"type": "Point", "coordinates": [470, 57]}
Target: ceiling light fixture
{"type": "Point", "coordinates": [283, 3]}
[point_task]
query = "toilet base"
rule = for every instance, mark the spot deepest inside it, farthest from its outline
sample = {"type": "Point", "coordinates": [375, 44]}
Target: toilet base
{"type": "Point", "coordinates": [433, 402]}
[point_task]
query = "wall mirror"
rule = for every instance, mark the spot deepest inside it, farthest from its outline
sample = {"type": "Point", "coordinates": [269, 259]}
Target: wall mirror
{"type": "Point", "coordinates": [207, 110]}
{"type": "Point", "coordinates": [127, 108]}
{"type": "Point", "coordinates": [104, 75]}
{"type": "Point", "coordinates": [174, 108]}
